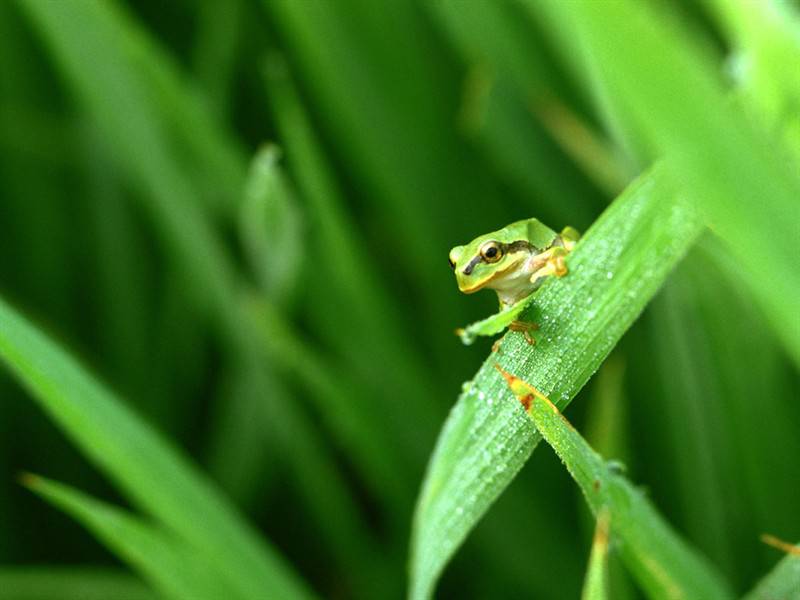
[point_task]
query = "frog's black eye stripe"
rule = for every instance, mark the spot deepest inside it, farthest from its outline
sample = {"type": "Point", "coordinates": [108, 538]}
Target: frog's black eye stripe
{"type": "Point", "coordinates": [452, 263]}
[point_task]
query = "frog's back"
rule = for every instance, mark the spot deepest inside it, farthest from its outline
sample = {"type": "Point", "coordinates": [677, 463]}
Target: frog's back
{"type": "Point", "coordinates": [534, 231]}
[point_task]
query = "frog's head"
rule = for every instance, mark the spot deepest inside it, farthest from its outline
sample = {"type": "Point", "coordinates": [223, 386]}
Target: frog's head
{"type": "Point", "coordinates": [494, 259]}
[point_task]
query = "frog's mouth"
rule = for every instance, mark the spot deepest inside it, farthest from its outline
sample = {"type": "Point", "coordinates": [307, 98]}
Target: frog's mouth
{"type": "Point", "coordinates": [484, 282]}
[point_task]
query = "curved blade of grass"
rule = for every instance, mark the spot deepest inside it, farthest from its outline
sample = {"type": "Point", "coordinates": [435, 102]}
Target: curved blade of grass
{"type": "Point", "coordinates": [595, 587]}
{"type": "Point", "coordinates": [664, 565]}
{"type": "Point", "coordinates": [71, 583]}
{"type": "Point", "coordinates": [349, 276]}
{"type": "Point", "coordinates": [171, 566]}
{"type": "Point", "coordinates": [150, 471]}
{"type": "Point", "coordinates": [745, 181]}
{"type": "Point", "coordinates": [147, 81]}
{"type": "Point", "coordinates": [500, 121]}
{"type": "Point", "coordinates": [83, 38]}
{"type": "Point", "coordinates": [781, 583]}
{"type": "Point", "coordinates": [766, 41]}
{"type": "Point", "coordinates": [84, 45]}
{"type": "Point", "coordinates": [614, 271]}
{"type": "Point", "coordinates": [361, 66]}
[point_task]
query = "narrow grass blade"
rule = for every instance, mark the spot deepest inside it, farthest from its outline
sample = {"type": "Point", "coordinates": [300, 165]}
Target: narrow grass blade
{"type": "Point", "coordinates": [512, 64]}
{"type": "Point", "coordinates": [219, 35]}
{"type": "Point", "coordinates": [595, 587]}
{"type": "Point", "coordinates": [781, 583]}
{"type": "Point", "coordinates": [84, 44]}
{"type": "Point", "coordinates": [83, 38]}
{"type": "Point", "coordinates": [608, 431]}
{"type": "Point", "coordinates": [694, 414]}
{"type": "Point", "coordinates": [332, 392]}
{"type": "Point", "coordinates": [368, 70]}
{"type": "Point", "coordinates": [613, 272]}
{"type": "Point", "coordinates": [173, 567]}
{"type": "Point", "coordinates": [149, 470]}
{"type": "Point", "coordinates": [71, 583]}
{"type": "Point", "coordinates": [349, 275]}
{"type": "Point", "coordinates": [746, 181]}
{"type": "Point", "coordinates": [122, 278]}
{"type": "Point", "coordinates": [500, 122]}
{"type": "Point", "coordinates": [664, 565]}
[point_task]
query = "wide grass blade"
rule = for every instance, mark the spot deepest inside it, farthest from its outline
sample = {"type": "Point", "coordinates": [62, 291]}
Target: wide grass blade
{"type": "Point", "coordinates": [614, 271]}
{"type": "Point", "coordinates": [664, 565]}
{"type": "Point", "coordinates": [781, 583]}
{"type": "Point", "coordinates": [47, 582]}
{"type": "Point", "coordinates": [174, 567]}
{"type": "Point", "coordinates": [153, 474]}
{"type": "Point", "coordinates": [747, 182]}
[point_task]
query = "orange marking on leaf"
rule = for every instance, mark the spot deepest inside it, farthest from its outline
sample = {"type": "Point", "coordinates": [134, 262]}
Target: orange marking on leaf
{"type": "Point", "coordinates": [524, 392]}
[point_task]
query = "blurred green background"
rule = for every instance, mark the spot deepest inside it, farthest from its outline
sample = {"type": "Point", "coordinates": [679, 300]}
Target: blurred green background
{"type": "Point", "coordinates": [166, 167]}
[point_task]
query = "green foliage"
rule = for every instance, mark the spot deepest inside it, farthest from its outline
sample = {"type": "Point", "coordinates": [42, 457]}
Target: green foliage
{"type": "Point", "coordinates": [176, 569]}
{"type": "Point", "coordinates": [614, 271]}
{"type": "Point", "coordinates": [595, 587]}
{"type": "Point", "coordinates": [70, 583]}
{"type": "Point", "coordinates": [663, 564]}
{"type": "Point", "coordinates": [783, 581]}
{"type": "Point", "coordinates": [237, 215]}
{"type": "Point", "coordinates": [150, 472]}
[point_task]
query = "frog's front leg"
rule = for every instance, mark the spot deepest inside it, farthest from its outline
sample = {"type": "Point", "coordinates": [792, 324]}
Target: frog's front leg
{"type": "Point", "coordinates": [552, 263]}
{"type": "Point", "coordinates": [525, 328]}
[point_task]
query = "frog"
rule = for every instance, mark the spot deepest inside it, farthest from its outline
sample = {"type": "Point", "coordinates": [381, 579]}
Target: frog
{"type": "Point", "coordinates": [514, 262]}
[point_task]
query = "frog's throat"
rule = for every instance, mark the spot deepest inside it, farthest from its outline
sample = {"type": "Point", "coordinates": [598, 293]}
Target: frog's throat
{"type": "Point", "coordinates": [482, 284]}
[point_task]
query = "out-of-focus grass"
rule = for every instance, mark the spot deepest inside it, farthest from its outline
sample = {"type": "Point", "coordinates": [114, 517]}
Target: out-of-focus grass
{"type": "Point", "coordinates": [288, 322]}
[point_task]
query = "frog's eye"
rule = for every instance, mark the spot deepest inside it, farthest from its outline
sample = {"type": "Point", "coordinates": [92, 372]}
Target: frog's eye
{"type": "Point", "coordinates": [491, 252]}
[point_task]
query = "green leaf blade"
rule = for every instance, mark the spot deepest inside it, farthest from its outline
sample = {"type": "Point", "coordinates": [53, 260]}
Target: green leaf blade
{"type": "Point", "coordinates": [149, 470]}
{"type": "Point", "coordinates": [173, 567]}
{"type": "Point", "coordinates": [744, 178]}
{"type": "Point", "coordinates": [665, 565]}
{"type": "Point", "coordinates": [781, 583]}
{"type": "Point", "coordinates": [614, 271]}
{"type": "Point", "coordinates": [71, 583]}
{"type": "Point", "coordinates": [595, 586]}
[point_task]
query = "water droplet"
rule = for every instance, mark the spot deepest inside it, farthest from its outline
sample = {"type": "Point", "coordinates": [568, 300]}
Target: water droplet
{"type": "Point", "coordinates": [459, 510]}
{"type": "Point", "coordinates": [609, 275]}
{"type": "Point", "coordinates": [481, 395]}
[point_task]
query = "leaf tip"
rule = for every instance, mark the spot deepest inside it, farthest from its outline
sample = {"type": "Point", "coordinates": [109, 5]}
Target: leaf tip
{"type": "Point", "coordinates": [601, 533]}
{"type": "Point", "coordinates": [524, 392]}
{"type": "Point", "coordinates": [29, 480]}
{"type": "Point", "coordinates": [771, 540]}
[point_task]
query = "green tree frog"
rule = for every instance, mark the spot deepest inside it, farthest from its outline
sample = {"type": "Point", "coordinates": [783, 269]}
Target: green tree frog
{"type": "Point", "coordinates": [513, 261]}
